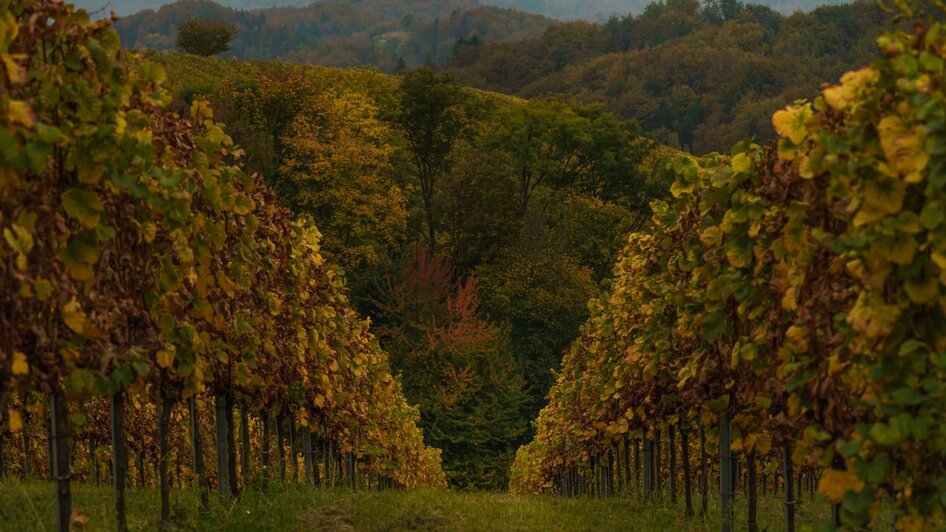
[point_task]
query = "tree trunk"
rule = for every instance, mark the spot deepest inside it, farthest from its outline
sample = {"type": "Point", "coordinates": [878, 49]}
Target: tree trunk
{"type": "Point", "coordinates": [223, 463]}
{"type": "Point", "coordinates": [687, 480]}
{"type": "Point", "coordinates": [61, 474]}
{"type": "Point", "coordinates": [429, 217]}
{"type": "Point", "coordinates": [725, 475]}
{"type": "Point", "coordinates": [164, 448]}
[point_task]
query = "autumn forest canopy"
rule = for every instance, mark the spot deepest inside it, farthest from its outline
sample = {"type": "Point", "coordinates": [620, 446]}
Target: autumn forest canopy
{"type": "Point", "coordinates": [672, 255]}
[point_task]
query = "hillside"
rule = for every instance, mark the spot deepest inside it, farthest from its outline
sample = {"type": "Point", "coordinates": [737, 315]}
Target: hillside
{"type": "Point", "coordinates": [369, 32]}
{"type": "Point", "coordinates": [696, 77]}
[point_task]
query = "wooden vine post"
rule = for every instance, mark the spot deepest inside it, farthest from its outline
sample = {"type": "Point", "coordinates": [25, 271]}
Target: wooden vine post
{"type": "Point", "coordinates": [627, 463]}
{"type": "Point", "coordinates": [789, 496]}
{"type": "Point", "coordinates": [687, 480]}
{"type": "Point", "coordinates": [264, 448]}
{"type": "Point", "coordinates": [648, 467]}
{"type": "Point", "coordinates": [306, 456]}
{"type": "Point", "coordinates": [350, 469]}
{"type": "Point", "coordinates": [197, 450]}
{"type": "Point", "coordinates": [231, 446]}
{"type": "Point", "coordinates": [164, 450]}
{"type": "Point", "coordinates": [280, 441]}
{"type": "Point", "coordinates": [704, 475]}
{"type": "Point", "coordinates": [611, 489]}
{"type": "Point", "coordinates": [753, 492]}
{"type": "Point", "coordinates": [119, 458]}
{"type": "Point", "coordinates": [323, 480]}
{"type": "Point", "coordinates": [59, 458]}
{"type": "Point", "coordinates": [725, 474]}
{"type": "Point", "coordinates": [245, 443]}
{"type": "Point", "coordinates": [672, 452]}
{"type": "Point", "coordinates": [93, 466]}
{"type": "Point", "coordinates": [223, 464]}
{"type": "Point", "coordinates": [26, 439]}
{"type": "Point", "coordinates": [293, 449]}
{"type": "Point", "coordinates": [655, 464]}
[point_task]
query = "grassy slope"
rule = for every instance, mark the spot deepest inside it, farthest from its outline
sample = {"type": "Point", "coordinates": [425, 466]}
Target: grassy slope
{"type": "Point", "coordinates": [30, 506]}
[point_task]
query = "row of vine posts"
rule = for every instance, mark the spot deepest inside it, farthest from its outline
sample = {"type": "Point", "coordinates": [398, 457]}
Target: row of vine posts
{"type": "Point", "coordinates": [643, 468]}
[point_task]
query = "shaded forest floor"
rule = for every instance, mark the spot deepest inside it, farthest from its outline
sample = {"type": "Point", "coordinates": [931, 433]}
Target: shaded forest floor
{"type": "Point", "coordinates": [29, 506]}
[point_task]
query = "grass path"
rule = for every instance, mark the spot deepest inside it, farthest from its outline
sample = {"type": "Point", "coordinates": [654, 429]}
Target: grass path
{"type": "Point", "coordinates": [29, 506]}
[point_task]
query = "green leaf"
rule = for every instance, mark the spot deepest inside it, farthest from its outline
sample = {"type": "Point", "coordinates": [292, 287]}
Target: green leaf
{"type": "Point", "coordinates": [169, 280]}
{"type": "Point", "coordinates": [83, 206]}
{"type": "Point", "coordinates": [713, 326]}
{"type": "Point", "coordinates": [78, 257]}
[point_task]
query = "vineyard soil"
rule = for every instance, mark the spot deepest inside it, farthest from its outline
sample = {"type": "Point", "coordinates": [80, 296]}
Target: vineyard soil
{"type": "Point", "coordinates": [28, 507]}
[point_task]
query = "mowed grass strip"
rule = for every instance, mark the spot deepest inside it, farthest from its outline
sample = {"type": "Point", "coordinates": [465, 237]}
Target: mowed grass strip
{"type": "Point", "coordinates": [30, 506]}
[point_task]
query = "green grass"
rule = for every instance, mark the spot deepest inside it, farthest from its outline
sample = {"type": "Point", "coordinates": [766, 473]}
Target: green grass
{"type": "Point", "coordinates": [29, 506]}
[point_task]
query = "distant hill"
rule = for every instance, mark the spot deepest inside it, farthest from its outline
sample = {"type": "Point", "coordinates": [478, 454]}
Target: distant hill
{"type": "Point", "coordinates": [697, 76]}
{"type": "Point", "coordinates": [598, 10]}
{"type": "Point", "coordinates": [368, 32]}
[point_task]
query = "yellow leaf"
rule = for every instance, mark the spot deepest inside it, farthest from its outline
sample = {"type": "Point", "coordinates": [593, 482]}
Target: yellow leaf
{"type": "Point", "coordinates": [834, 484]}
{"type": "Point", "coordinates": [20, 113]}
{"type": "Point", "coordinates": [741, 163]}
{"type": "Point", "coordinates": [15, 421]}
{"type": "Point", "coordinates": [320, 401]}
{"type": "Point", "coordinates": [165, 357]}
{"type": "Point", "coordinates": [20, 366]}
{"type": "Point", "coordinates": [790, 122]}
{"type": "Point", "coordinates": [851, 87]}
{"type": "Point", "coordinates": [43, 289]}
{"type": "Point", "coordinates": [15, 71]}
{"type": "Point", "coordinates": [903, 148]}
{"type": "Point", "coordinates": [789, 299]}
{"type": "Point", "coordinates": [73, 316]}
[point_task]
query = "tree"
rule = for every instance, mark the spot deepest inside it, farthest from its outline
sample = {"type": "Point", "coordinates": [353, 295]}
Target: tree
{"type": "Point", "coordinates": [432, 116]}
{"type": "Point", "coordinates": [540, 290]}
{"type": "Point", "coordinates": [337, 159]}
{"type": "Point", "coordinates": [456, 368]}
{"type": "Point", "coordinates": [579, 148]}
{"type": "Point", "coordinates": [204, 37]}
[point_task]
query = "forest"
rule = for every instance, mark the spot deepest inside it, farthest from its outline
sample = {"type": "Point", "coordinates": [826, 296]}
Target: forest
{"type": "Point", "coordinates": [694, 76]}
{"type": "Point", "coordinates": [651, 261]}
